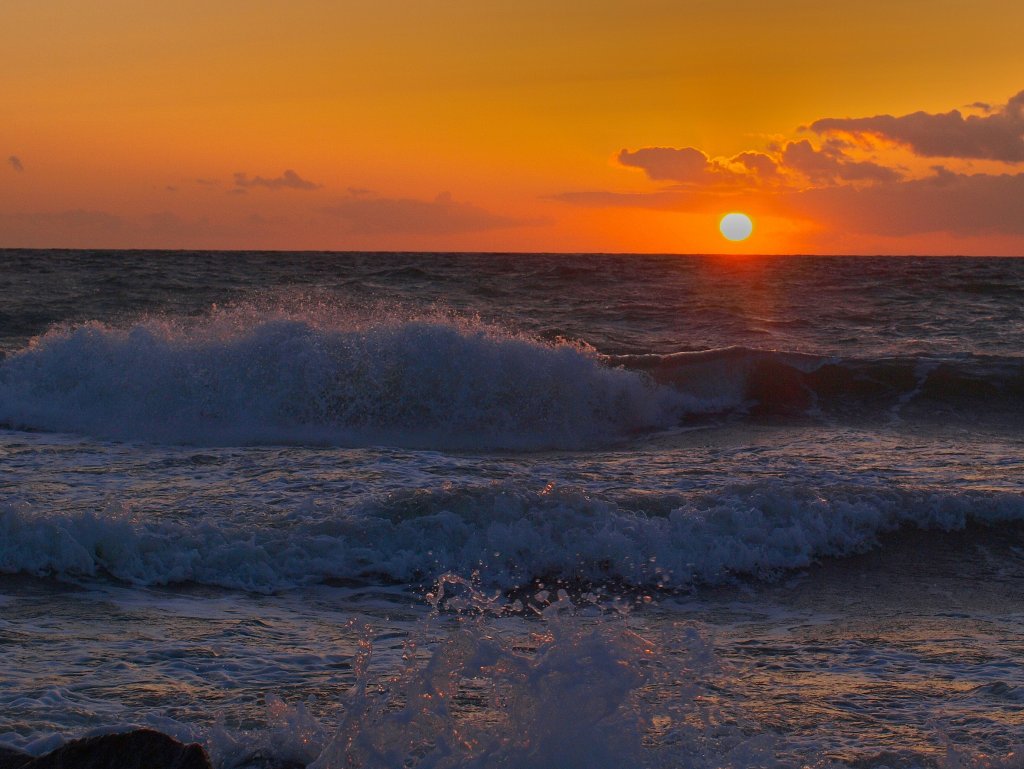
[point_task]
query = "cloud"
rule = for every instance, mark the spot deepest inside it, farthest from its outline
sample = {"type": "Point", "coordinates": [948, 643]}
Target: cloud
{"type": "Point", "coordinates": [850, 185]}
{"type": "Point", "coordinates": [759, 164]}
{"type": "Point", "coordinates": [959, 204]}
{"type": "Point", "coordinates": [288, 180]}
{"type": "Point", "coordinates": [997, 135]}
{"type": "Point", "coordinates": [689, 166]}
{"type": "Point", "coordinates": [661, 200]}
{"type": "Point", "coordinates": [787, 166]}
{"type": "Point", "coordinates": [15, 162]}
{"type": "Point", "coordinates": [81, 228]}
{"type": "Point", "coordinates": [364, 215]}
{"type": "Point", "coordinates": [829, 164]}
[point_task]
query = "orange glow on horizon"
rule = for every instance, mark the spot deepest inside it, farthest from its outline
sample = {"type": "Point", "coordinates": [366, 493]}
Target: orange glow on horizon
{"type": "Point", "coordinates": [469, 127]}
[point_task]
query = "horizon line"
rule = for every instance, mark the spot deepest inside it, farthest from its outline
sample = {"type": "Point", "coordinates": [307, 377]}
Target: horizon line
{"type": "Point", "coordinates": [392, 252]}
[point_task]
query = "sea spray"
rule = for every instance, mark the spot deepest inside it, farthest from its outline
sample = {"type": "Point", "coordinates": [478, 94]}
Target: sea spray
{"type": "Point", "coordinates": [484, 686]}
{"type": "Point", "coordinates": [290, 370]}
{"type": "Point", "coordinates": [332, 377]}
{"type": "Point", "coordinates": [548, 682]}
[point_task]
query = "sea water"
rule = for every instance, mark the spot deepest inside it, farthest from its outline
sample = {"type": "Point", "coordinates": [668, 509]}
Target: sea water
{"type": "Point", "coordinates": [515, 510]}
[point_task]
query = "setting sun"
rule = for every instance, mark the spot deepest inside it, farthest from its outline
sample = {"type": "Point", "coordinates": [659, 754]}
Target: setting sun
{"type": "Point", "coordinates": [736, 226]}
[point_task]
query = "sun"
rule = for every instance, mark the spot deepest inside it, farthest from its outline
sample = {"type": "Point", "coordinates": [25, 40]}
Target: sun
{"type": "Point", "coordinates": [736, 226]}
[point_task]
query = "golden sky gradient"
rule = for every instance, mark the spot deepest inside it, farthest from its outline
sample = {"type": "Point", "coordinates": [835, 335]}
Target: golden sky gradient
{"type": "Point", "coordinates": [526, 126]}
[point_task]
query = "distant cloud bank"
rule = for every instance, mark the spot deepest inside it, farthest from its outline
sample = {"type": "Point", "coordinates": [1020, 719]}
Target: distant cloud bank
{"type": "Point", "coordinates": [364, 214]}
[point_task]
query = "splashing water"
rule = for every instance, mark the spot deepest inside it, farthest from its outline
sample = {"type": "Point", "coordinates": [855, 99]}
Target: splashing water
{"type": "Point", "coordinates": [329, 375]}
{"type": "Point", "coordinates": [489, 683]}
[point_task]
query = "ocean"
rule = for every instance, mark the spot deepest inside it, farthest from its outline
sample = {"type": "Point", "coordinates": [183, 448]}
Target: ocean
{"type": "Point", "coordinates": [515, 510]}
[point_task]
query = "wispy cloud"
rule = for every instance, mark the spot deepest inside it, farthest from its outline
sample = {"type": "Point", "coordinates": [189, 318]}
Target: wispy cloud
{"type": "Point", "coordinates": [15, 162]}
{"type": "Point", "coordinates": [959, 204]}
{"type": "Point", "coordinates": [80, 228]}
{"type": "Point", "coordinates": [659, 200]}
{"type": "Point", "coordinates": [289, 180]}
{"type": "Point", "coordinates": [363, 214]}
{"type": "Point", "coordinates": [58, 228]}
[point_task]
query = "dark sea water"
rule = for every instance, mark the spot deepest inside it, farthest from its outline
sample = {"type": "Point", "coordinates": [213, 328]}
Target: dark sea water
{"type": "Point", "coordinates": [518, 511]}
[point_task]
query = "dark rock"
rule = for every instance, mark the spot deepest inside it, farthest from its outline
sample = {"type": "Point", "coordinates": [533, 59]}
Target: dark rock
{"type": "Point", "coordinates": [140, 749]}
{"type": "Point", "coordinates": [13, 759]}
{"type": "Point", "coordinates": [260, 761]}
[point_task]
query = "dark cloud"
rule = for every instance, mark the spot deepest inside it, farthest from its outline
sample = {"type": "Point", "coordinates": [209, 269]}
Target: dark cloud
{"type": "Point", "coordinates": [998, 135]}
{"type": "Point", "coordinates": [289, 180]}
{"type": "Point", "coordinates": [829, 164]}
{"type": "Point", "coordinates": [687, 164]}
{"type": "Point", "coordinates": [15, 162]}
{"type": "Point", "coordinates": [759, 164]}
{"type": "Point", "coordinates": [690, 168]}
{"type": "Point", "coordinates": [959, 204]}
{"type": "Point", "coordinates": [365, 215]}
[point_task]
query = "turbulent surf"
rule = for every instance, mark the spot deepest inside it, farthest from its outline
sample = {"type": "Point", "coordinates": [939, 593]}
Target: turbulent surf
{"type": "Point", "coordinates": [484, 510]}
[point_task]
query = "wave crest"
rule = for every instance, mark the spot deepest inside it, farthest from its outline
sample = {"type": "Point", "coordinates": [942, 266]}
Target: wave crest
{"type": "Point", "coordinates": [229, 379]}
{"type": "Point", "coordinates": [505, 536]}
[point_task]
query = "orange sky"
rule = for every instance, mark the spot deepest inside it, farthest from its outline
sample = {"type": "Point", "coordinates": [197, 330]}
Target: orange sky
{"type": "Point", "coordinates": [582, 125]}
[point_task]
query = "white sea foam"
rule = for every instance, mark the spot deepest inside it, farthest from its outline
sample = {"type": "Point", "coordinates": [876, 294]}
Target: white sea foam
{"type": "Point", "coordinates": [331, 376]}
{"type": "Point", "coordinates": [505, 536]}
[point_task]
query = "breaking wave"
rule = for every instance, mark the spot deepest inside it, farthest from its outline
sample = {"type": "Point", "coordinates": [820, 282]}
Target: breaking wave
{"type": "Point", "coordinates": [335, 377]}
{"type": "Point", "coordinates": [344, 380]}
{"type": "Point", "coordinates": [502, 536]}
